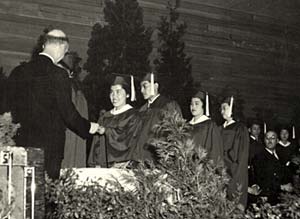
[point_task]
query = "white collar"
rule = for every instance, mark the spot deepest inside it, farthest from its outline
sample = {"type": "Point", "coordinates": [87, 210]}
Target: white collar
{"type": "Point", "coordinates": [45, 54]}
{"type": "Point", "coordinates": [228, 123]}
{"type": "Point", "coordinates": [199, 120]}
{"type": "Point", "coordinates": [122, 110]}
{"type": "Point", "coordinates": [273, 153]}
{"type": "Point", "coordinates": [251, 136]}
{"type": "Point", "coordinates": [284, 145]}
{"type": "Point", "coordinates": [153, 99]}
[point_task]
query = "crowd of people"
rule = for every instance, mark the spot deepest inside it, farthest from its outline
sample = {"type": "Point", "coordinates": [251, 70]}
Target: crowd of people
{"type": "Point", "coordinates": [42, 99]}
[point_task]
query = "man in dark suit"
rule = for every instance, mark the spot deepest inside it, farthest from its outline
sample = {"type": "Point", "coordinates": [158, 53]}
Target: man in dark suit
{"type": "Point", "coordinates": [269, 173]}
{"type": "Point", "coordinates": [40, 100]}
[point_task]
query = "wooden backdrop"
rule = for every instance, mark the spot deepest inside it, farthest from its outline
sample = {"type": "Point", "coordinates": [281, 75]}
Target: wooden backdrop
{"type": "Point", "coordinates": [252, 44]}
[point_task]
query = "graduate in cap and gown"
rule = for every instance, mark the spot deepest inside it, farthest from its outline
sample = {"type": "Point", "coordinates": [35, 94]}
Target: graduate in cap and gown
{"type": "Point", "coordinates": [287, 148]}
{"type": "Point", "coordinates": [118, 126]}
{"type": "Point", "coordinates": [151, 113]}
{"type": "Point", "coordinates": [205, 132]}
{"type": "Point", "coordinates": [236, 151]}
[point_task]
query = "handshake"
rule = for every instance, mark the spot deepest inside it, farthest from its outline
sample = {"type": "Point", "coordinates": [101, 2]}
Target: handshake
{"type": "Point", "coordinates": [96, 128]}
{"type": "Point", "coordinates": [101, 130]}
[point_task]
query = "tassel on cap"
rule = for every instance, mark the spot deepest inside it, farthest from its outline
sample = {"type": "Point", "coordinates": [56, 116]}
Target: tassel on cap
{"type": "Point", "coordinates": [230, 106]}
{"type": "Point", "coordinates": [265, 128]}
{"type": "Point", "coordinates": [151, 83]}
{"type": "Point", "coordinates": [207, 104]}
{"type": "Point", "coordinates": [133, 95]}
{"type": "Point", "coordinates": [294, 133]}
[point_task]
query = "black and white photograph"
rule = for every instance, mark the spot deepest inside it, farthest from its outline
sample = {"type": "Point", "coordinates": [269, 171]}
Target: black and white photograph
{"type": "Point", "coordinates": [149, 109]}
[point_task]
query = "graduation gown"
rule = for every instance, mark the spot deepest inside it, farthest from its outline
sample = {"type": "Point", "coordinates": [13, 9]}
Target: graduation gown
{"type": "Point", "coordinates": [236, 151]}
{"type": "Point", "coordinates": [151, 115]}
{"type": "Point", "coordinates": [256, 147]}
{"type": "Point", "coordinates": [285, 154]}
{"type": "Point", "coordinates": [120, 134]}
{"type": "Point", "coordinates": [206, 134]}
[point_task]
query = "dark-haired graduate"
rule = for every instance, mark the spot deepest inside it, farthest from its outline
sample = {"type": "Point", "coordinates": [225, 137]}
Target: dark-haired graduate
{"type": "Point", "coordinates": [236, 150]}
{"type": "Point", "coordinates": [117, 127]}
{"type": "Point", "coordinates": [205, 132]}
{"type": "Point", "coordinates": [151, 113]}
{"type": "Point", "coordinates": [287, 148]}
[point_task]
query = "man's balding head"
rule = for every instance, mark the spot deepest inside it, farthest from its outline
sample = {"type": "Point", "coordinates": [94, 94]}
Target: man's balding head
{"type": "Point", "coordinates": [56, 36]}
{"type": "Point", "coordinates": [56, 44]}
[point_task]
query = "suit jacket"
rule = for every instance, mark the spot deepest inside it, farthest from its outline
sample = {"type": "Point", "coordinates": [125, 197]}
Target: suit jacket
{"type": "Point", "coordinates": [269, 174]}
{"type": "Point", "coordinates": [40, 100]}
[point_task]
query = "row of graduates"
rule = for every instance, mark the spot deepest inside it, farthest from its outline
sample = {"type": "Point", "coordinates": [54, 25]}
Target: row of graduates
{"type": "Point", "coordinates": [125, 131]}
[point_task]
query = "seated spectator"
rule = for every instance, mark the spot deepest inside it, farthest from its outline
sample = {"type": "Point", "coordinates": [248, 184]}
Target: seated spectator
{"type": "Point", "coordinates": [269, 173]}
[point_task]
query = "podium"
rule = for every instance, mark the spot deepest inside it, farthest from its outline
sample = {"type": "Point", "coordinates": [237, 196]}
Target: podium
{"type": "Point", "coordinates": [104, 177]}
{"type": "Point", "coordinates": [22, 182]}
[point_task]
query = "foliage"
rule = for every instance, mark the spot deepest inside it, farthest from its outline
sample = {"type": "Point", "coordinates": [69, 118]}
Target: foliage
{"type": "Point", "coordinates": [288, 208]}
{"type": "Point", "coordinates": [173, 65]}
{"type": "Point", "coordinates": [184, 184]}
{"type": "Point", "coordinates": [121, 45]}
{"type": "Point", "coordinates": [7, 130]}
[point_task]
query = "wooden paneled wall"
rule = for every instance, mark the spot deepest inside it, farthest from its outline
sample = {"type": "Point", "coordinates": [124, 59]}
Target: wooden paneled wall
{"type": "Point", "coordinates": [253, 45]}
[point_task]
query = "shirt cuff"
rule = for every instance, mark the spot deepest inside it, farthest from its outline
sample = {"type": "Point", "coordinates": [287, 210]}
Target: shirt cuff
{"type": "Point", "coordinates": [94, 127]}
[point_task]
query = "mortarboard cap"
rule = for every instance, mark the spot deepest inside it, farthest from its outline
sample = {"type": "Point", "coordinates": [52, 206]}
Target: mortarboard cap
{"type": "Point", "coordinates": [152, 78]}
{"type": "Point", "coordinates": [127, 82]}
{"type": "Point", "coordinates": [199, 94]}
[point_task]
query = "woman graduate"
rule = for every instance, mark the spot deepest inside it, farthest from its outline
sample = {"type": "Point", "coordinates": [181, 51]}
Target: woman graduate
{"type": "Point", "coordinates": [205, 132]}
{"type": "Point", "coordinates": [118, 127]}
{"type": "Point", "coordinates": [286, 148]}
{"type": "Point", "coordinates": [236, 151]}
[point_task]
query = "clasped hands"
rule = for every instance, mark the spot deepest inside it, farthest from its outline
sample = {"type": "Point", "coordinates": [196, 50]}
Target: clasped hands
{"type": "Point", "coordinates": [101, 130]}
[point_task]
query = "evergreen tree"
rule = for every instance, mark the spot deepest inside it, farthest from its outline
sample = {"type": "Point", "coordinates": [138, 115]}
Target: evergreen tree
{"type": "Point", "coordinates": [173, 65]}
{"type": "Point", "coordinates": [121, 45]}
